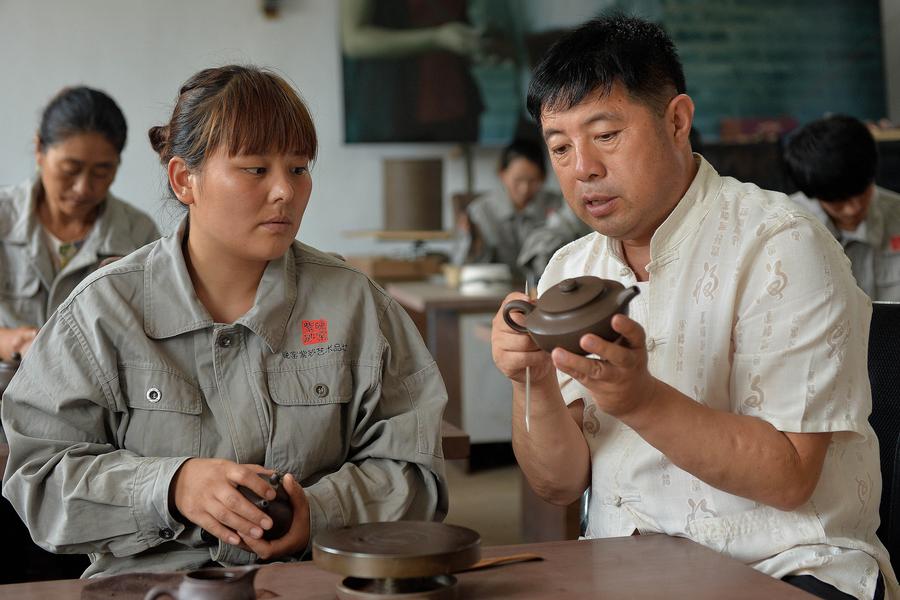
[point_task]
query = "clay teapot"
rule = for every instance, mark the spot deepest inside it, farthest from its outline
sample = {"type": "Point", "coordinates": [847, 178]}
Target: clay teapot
{"type": "Point", "coordinates": [212, 584]}
{"type": "Point", "coordinates": [280, 509]}
{"type": "Point", "coordinates": [570, 309]}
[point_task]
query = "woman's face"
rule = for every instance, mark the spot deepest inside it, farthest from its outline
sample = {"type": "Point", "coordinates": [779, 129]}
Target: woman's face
{"type": "Point", "coordinates": [522, 180]}
{"type": "Point", "coordinates": [249, 206]}
{"type": "Point", "coordinates": [76, 174]}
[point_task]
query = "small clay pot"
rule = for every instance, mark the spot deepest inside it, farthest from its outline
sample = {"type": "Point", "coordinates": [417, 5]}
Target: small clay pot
{"type": "Point", "coordinates": [211, 584]}
{"type": "Point", "coordinates": [570, 309]}
{"type": "Point", "coordinates": [280, 509]}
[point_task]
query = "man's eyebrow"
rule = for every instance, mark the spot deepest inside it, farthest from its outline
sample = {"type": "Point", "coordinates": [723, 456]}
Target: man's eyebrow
{"type": "Point", "coordinates": [600, 116]}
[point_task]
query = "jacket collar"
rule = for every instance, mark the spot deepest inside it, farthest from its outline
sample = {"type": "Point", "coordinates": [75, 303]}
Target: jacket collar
{"type": "Point", "coordinates": [171, 306]}
{"type": "Point", "coordinates": [106, 237]}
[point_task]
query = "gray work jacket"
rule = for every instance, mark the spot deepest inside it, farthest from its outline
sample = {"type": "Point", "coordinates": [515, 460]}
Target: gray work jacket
{"type": "Point", "coordinates": [29, 289]}
{"type": "Point", "coordinates": [326, 377]}
{"type": "Point", "coordinates": [503, 230]}
{"type": "Point", "coordinates": [876, 261]}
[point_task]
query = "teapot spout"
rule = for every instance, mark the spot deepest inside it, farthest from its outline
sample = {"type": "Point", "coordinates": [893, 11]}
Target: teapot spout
{"type": "Point", "coordinates": [626, 296]}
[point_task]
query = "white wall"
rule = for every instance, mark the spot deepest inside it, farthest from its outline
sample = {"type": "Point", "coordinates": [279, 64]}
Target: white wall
{"type": "Point", "coordinates": [140, 51]}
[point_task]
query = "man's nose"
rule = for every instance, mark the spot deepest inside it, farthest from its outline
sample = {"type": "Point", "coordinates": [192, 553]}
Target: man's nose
{"type": "Point", "coordinates": [588, 163]}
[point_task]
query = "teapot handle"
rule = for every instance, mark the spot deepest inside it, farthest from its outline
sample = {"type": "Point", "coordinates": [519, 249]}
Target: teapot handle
{"type": "Point", "coordinates": [520, 306]}
{"type": "Point", "coordinates": [161, 590]}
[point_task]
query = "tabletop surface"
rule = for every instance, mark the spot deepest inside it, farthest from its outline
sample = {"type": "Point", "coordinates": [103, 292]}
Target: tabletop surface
{"type": "Point", "coordinates": [637, 567]}
{"type": "Point", "coordinates": [425, 295]}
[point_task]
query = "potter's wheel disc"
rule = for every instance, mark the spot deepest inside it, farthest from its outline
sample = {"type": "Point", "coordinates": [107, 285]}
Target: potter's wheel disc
{"type": "Point", "coordinates": [398, 549]}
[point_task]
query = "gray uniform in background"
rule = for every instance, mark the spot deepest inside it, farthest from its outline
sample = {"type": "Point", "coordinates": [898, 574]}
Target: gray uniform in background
{"type": "Point", "coordinates": [875, 260]}
{"type": "Point", "coordinates": [325, 377]}
{"type": "Point", "coordinates": [30, 287]}
{"type": "Point", "coordinates": [562, 227]}
{"type": "Point", "coordinates": [502, 229]}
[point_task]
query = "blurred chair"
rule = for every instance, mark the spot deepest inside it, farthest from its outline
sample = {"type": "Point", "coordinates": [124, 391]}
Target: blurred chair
{"type": "Point", "coordinates": [884, 376]}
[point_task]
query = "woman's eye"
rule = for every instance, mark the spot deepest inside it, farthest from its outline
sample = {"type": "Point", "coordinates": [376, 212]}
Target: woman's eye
{"type": "Point", "coordinates": [256, 170]}
{"type": "Point", "coordinates": [300, 170]}
{"type": "Point", "coordinates": [606, 137]}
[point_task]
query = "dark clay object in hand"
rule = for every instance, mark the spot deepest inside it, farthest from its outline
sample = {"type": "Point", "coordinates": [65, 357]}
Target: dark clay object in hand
{"type": "Point", "coordinates": [279, 510]}
{"type": "Point", "coordinates": [571, 309]}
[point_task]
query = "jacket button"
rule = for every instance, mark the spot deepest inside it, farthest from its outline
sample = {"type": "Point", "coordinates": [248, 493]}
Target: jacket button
{"type": "Point", "coordinates": [153, 395]}
{"type": "Point", "coordinates": [321, 390]}
{"type": "Point", "coordinates": [166, 533]}
{"type": "Point", "coordinates": [225, 341]}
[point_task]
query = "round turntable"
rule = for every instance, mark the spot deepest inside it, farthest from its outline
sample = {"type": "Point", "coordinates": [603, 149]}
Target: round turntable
{"type": "Point", "coordinates": [402, 559]}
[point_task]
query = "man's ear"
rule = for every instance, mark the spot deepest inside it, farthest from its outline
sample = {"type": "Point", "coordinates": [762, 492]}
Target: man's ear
{"type": "Point", "coordinates": [680, 117]}
{"type": "Point", "coordinates": [182, 181]}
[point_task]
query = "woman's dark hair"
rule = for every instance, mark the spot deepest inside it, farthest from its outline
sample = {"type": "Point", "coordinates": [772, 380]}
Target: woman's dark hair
{"type": "Point", "coordinates": [82, 109]}
{"type": "Point", "coordinates": [527, 149]}
{"type": "Point", "coordinates": [832, 159]}
{"type": "Point", "coordinates": [243, 109]}
{"type": "Point", "coordinates": [603, 51]}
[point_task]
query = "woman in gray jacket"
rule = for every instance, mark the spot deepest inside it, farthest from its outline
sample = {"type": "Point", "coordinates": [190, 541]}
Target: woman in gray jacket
{"type": "Point", "coordinates": [225, 350]}
{"type": "Point", "coordinates": [58, 226]}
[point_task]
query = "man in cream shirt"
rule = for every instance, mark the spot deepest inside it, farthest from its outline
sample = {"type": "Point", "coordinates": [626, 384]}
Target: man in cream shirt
{"type": "Point", "coordinates": [734, 412]}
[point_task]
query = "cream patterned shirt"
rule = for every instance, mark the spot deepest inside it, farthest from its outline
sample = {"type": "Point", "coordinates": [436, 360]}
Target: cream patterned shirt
{"type": "Point", "coordinates": [751, 309]}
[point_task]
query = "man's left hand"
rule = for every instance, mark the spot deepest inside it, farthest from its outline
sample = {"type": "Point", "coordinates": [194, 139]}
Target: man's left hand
{"type": "Point", "coordinates": [619, 383]}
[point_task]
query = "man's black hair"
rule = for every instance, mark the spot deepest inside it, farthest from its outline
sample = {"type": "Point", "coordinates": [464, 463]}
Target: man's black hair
{"type": "Point", "coordinates": [594, 56]}
{"type": "Point", "coordinates": [832, 159]}
{"type": "Point", "coordinates": [531, 151]}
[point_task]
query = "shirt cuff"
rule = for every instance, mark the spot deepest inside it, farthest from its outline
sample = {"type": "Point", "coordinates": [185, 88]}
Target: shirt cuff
{"type": "Point", "coordinates": [324, 510]}
{"type": "Point", "coordinates": [150, 500]}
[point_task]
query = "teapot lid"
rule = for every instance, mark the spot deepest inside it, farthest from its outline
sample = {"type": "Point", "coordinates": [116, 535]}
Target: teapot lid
{"type": "Point", "coordinates": [571, 294]}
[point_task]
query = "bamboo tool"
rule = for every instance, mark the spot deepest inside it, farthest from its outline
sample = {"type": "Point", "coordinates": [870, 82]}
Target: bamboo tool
{"type": "Point", "coordinates": [529, 291]}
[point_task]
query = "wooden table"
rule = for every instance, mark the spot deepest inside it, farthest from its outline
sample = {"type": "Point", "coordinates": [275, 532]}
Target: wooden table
{"type": "Point", "coordinates": [436, 309]}
{"type": "Point", "coordinates": [637, 567]}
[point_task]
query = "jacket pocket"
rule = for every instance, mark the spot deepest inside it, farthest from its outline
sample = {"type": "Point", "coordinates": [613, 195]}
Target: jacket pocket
{"type": "Point", "coordinates": [312, 420]}
{"type": "Point", "coordinates": [163, 412]}
{"type": "Point", "coordinates": [887, 277]}
{"type": "Point", "coordinates": [758, 533]}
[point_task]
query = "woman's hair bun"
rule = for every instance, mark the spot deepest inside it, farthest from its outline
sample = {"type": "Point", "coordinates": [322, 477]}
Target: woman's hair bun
{"type": "Point", "coordinates": [159, 138]}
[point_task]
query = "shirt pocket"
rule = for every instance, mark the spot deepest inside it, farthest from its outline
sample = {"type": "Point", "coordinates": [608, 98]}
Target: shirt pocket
{"type": "Point", "coordinates": [752, 535]}
{"type": "Point", "coordinates": [20, 298]}
{"type": "Point", "coordinates": [311, 419]}
{"type": "Point", "coordinates": [163, 412]}
{"type": "Point", "coordinates": [887, 277]}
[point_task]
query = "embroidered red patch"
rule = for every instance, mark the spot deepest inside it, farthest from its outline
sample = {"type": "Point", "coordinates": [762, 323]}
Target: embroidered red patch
{"type": "Point", "coordinates": [895, 243]}
{"type": "Point", "coordinates": [315, 332]}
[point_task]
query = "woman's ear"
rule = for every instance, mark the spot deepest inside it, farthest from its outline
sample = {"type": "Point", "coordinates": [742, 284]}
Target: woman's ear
{"type": "Point", "coordinates": [181, 180]}
{"type": "Point", "coordinates": [38, 151]}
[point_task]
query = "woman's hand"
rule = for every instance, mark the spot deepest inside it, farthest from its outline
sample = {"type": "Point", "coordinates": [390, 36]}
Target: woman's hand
{"type": "Point", "coordinates": [513, 351]}
{"type": "Point", "coordinates": [620, 382]}
{"type": "Point", "coordinates": [297, 537]}
{"type": "Point", "coordinates": [15, 340]}
{"type": "Point", "coordinates": [204, 491]}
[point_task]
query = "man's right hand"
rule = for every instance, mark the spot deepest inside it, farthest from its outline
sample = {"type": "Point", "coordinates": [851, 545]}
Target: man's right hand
{"type": "Point", "coordinates": [16, 340]}
{"type": "Point", "coordinates": [513, 351]}
{"type": "Point", "coordinates": [204, 491]}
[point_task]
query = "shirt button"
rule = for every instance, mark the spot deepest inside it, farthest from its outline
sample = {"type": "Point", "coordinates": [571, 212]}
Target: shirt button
{"type": "Point", "coordinates": [153, 395]}
{"type": "Point", "coordinates": [651, 344]}
{"type": "Point", "coordinates": [225, 341]}
{"type": "Point", "coordinates": [617, 500]}
{"type": "Point", "coordinates": [625, 272]}
{"type": "Point", "coordinates": [166, 533]}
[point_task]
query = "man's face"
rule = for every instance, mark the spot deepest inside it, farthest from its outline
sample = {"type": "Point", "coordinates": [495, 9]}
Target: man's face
{"type": "Point", "coordinates": [618, 163]}
{"type": "Point", "coordinates": [849, 213]}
